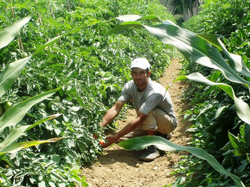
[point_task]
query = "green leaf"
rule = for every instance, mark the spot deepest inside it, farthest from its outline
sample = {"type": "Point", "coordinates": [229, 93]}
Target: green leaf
{"type": "Point", "coordinates": [9, 33]}
{"type": "Point", "coordinates": [53, 40]}
{"type": "Point", "coordinates": [42, 184]}
{"type": "Point", "coordinates": [235, 143]}
{"type": "Point", "coordinates": [137, 17]}
{"type": "Point", "coordinates": [140, 143]}
{"type": "Point", "coordinates": [243, 165]}
{"type": "Point", "coordinates": [13, 136]}
{"type": "Point", "coordinates": [219, 111]}
{"type": "Point", "coordinates": [8, 145]}
{"type": "Point", "coordinates": [194, 47]}
{"type": "Point", "coordinates": [242, 108]}
{"type": "Point", "coordinates": [227, 146]}
{"type": "Point", "coordinates": [10, 74]}
{"type": "Point", "coordinates": [15, 114]}
{"type": "Point", "coordinates": [211, 38]}
{"type": "Point", "coordinates": [235, 61]}
{"type": "Point", "coordinates": [203, 111]}
{"type": "Point", "coordinates": [17, 146]}
{"type": "Point", "coordinates": [43, 120]}
{"type": "Point", "coordinates": [131, 17]}
{"type": "Point", "coordinates": [126, 25]}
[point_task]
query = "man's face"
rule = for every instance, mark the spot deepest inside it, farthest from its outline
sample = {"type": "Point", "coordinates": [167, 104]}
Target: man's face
{"type": "Point", "coordinates": [140, 77]}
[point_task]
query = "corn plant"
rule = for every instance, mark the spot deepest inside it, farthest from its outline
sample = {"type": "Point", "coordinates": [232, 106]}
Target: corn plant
{"type": "Point", "coordinates": [229, 20]}
{"type": "Point", "coordinates": [13, 115]}
{"type": "Point", "coordinates": [205, 50]}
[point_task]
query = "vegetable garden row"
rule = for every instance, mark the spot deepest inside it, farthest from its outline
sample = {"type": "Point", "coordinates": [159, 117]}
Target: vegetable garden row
{"type": "Point", "coordinates": [68, 68]}
{"type": "Point", "coordinates": [62, 52]}
{"type": "Point", "coordinates": [218, 126]}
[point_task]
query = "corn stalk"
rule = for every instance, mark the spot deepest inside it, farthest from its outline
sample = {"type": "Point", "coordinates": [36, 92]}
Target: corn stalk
{"type": "Point", "coordinates": [202, 49]}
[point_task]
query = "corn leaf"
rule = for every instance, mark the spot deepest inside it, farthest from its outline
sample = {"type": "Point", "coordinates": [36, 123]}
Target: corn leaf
{"type": "Point", "coordinates": [10, 74]}
{"type": "Point", "coordinates": [134, 17]}
{"type": "Point", "coordinates": [8, 145]}
{"type": "Point", "coordinates": [53, 40]}
{"type": "Point", "coordinates": [140, 143]}
{"type": "Point", "coordinates": [235, 143]}
{"type": "Point", "coordinates": [194, 47]}
{"type": "Point", "coordinates": [16, 113]}
{"type": "Point", "coordinates": [17, 146]}
{"type": "Point", "coordinates": [9, 33]}
{"type": "Point", "coordinates": [43, 120]}
{"type": "Point", "coordinates": [12, 137]}
{"type": "Point", "coordinates": [242, 108]}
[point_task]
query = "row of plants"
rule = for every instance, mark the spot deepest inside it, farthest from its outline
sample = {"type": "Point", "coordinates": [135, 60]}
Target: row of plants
{"type": "Point", "coordinates": [66, 52]}
{"type": "Point", "coordinates": [221, 112]}
{"type": "Point", "coordinates": [216, 126]}
{"type": "Point", "coordinates": [209, 51]}
{"type": "Point", "coordinates": [75, 102]}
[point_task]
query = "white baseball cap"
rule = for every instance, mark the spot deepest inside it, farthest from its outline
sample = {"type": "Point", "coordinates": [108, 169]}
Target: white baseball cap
{"type": "Point", "coordinates": [141, 63]}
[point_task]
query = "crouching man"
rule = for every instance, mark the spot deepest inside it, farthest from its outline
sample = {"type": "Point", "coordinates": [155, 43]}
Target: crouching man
{"type": "Point", "coordinates": [155, 113]}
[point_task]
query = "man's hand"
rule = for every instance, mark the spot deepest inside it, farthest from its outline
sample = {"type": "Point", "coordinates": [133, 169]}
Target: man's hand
{"type": "Point", "coordinates": [112, 113]}
{"type": "Point", "coordinates": [128, 128]}
{"type": "Point", "coordinates": [110, 140]}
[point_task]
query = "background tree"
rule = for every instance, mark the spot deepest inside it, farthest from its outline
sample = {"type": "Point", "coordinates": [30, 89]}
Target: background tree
{"type": "Point", "coordinates": [182, 9]}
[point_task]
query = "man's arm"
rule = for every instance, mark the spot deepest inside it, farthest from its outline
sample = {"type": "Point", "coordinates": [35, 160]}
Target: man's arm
{"type": "Point", "coordinates": [128, 128]}
{"type": "Point", "coordinates": [132, 125]}
{"type": "Point", "coordinates": [112, 113]}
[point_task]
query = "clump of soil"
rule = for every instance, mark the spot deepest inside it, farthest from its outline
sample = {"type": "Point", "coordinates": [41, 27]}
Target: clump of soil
{"type": "Point", "coordinates": [120, 168]}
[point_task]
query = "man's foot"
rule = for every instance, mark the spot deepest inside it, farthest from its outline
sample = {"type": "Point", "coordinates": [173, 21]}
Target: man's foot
{"type": "Point", "coordinates": [150, 154]}
{"type": "Point", "coordinates": [169, 136]}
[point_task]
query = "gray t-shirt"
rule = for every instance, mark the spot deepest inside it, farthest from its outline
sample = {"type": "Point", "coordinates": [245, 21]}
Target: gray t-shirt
{"type": "Point", "coordinates": [155, 95]}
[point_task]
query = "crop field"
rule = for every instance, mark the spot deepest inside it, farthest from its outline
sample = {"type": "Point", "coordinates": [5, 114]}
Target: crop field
{"type": "Point", "coordinates": [64, 63]}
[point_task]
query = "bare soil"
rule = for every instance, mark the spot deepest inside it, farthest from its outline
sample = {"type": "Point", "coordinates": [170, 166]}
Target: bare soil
{"type": "Point", "coordinates": [117, 167]}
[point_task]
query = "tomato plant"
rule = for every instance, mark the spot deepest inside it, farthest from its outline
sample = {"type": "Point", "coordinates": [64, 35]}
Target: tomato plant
{"type": "Point", "coordinates": [88, 69]}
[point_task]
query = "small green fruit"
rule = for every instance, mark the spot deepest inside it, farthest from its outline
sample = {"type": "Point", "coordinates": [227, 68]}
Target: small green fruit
{"type": "Point", "coordinates": [42, 106]}
{"type": "Point", "coordinates": [49, 87]}
{"type": "Point", "coordinates": [50, 105]}
{"type": "Point", "coordinates": [7, 105]}
{"type": "Point", "coordinates": [57, 99]}
{"type": "Point", "coordinates": [24, 54]}
{"type": "Point", "coordinates": [77, 43]}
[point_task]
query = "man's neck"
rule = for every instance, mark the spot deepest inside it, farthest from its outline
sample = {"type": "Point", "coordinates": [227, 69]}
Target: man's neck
{"type": "Point", "coordinates": [141, 89]}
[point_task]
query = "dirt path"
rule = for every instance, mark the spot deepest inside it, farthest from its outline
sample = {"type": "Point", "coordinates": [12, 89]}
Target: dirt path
{"type": "Point", "coordinates": [120, 168]}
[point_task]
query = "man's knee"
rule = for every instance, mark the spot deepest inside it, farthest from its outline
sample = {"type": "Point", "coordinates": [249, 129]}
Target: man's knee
{"type": "Point", "coordinates": [158, 120]}
{"type": "Point", "coordinates": [150, 122]}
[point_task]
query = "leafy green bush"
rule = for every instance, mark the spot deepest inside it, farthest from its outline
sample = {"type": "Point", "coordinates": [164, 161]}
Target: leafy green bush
{"type": "Point", "coordinates": [206, 50]}
{"type": "Point", "coordinates": [88, 67]}
{"type": "Point", "coordinates": [11, 115]}
{"type": "Point", "coordinates": [230, 21]}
